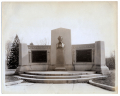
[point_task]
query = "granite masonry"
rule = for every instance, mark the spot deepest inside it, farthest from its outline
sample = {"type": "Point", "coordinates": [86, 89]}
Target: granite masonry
{"type": "Point", "coordinates": [62, 56]}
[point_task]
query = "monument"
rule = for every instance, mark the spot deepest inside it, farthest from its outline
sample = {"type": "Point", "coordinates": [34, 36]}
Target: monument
{"type": "Point", "coordinates": [62, 56]}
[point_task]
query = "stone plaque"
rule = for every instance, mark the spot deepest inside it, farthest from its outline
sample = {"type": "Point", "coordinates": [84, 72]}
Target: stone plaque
{"type": "Point", "coordinates": [84, 55]}
{"type": "Point", "coordinates": [39, 56]}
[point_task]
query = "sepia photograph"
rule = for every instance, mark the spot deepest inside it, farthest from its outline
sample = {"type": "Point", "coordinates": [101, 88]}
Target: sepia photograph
{"type": "Point", "coordinates": [62, 47]}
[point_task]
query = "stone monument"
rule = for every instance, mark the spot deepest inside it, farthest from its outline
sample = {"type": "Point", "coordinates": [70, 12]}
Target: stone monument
{"type": "Point", "coordinates": [60, 57]}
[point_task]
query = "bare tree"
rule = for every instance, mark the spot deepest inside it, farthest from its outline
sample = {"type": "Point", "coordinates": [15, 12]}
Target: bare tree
{"type": "Point", "coordinates": [43, 42]}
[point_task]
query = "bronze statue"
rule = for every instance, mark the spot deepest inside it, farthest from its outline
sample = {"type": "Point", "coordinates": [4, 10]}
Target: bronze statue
{"type": "Point", "coordinates": [60, 44]}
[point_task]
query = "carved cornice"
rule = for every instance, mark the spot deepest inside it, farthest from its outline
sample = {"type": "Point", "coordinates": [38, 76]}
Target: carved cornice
{"type": "Point", "coordinates": [38, 47]}
{"type": "Point", "coordinates": [83, 46]}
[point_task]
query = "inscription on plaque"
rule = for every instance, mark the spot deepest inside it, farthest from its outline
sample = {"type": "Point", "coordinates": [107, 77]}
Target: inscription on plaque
{"type": "Point", "coordinates": [39, 56]}
{"type": "Point", "coordinates": [84, 55]}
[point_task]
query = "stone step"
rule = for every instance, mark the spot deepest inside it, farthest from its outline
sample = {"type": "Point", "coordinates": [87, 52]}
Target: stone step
{"type": "Point", "coordinates": [59, 77]}
{"type": "Point", "coordinates": [36, 80]}
{"type": "Point", "coordinates": [60, 69]}
{"type": "Point", "coordinates": [59, 73]}
{"type": "Point", "coordinates": [77, 80]}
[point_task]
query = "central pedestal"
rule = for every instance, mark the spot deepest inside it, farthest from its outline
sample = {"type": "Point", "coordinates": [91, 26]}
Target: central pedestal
{"type": "Point", "coordinates": [60, 69]}
{"type": "Point", "coordinates": [60, 57]}
{"type": "Point", "coordinates": [60, 60]}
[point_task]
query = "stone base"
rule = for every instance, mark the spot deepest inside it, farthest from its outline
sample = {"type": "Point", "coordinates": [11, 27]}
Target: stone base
{"type": "Point", "coordinates": [105, 70]}
{"type": "Point", "coordinates": [68, 67]}
{"type": "Point", "coordinates": [21, 69]}
{"type": "Point", "coordinates": [60, 76]}
{"type": "Point", "coordinates": [98, 69]}
{"type": "Point", "coordinates": [83, 67]}
{"type": "Point", "coordinates": [51, 68]}
{"type": "Point", "coordinates": [102, 69]}
{"type": "Point", "coordinates": [60, 69]}
{"type": "Point", "coordinates": [25, 68]}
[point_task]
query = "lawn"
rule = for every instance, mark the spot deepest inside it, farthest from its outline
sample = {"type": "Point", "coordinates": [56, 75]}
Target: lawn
{"type": "Point", "coordinates": [110, 80]}
{"type": "Point", "coordinates": [10, 78]}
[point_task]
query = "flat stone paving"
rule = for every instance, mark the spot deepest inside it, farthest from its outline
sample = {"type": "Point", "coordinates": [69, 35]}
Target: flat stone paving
{"type": "Point", "coordinates": [37, 88]}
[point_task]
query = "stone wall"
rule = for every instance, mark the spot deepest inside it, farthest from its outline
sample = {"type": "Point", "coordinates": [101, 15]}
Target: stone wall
{"type": "Point", "coordinates": [43, 66]}
{"type": "Point", "coordinates": [83, 66]}
{"type": "Point", "coordinates": [96, 62]}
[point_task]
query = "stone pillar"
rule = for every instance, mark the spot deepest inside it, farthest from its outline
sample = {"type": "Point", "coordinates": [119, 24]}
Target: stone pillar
{"type": "Point", "coordinates": [60, 58]}
{"type": "Point", "coordinates": [30, 57]}
{"type": "Point", "coordinates": [23, 58]}
{"type": "Point", "coordinates": [100, 58]}
{"type": "Point", "coordinates": [66, 34]}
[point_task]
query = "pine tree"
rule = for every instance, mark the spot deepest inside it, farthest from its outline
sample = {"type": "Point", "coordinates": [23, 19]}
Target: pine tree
{"type": "Point", "coordinates": [13, 57]}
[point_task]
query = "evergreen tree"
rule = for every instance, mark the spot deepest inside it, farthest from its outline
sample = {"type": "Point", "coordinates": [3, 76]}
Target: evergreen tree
{"type": "Point", "coordinates": [13, 57]}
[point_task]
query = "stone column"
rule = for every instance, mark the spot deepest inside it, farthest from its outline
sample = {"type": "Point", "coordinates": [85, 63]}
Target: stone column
{"type": "Point", "coordinates": [100, 58]}
{"type": "Point", "coordinates": [23, 58]}
{"type": "Point", "coordinates": [30, 57]}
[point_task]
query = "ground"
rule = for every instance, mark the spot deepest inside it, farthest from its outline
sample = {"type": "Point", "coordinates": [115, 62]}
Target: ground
{"type": "Point", "coordinates": [110, 80]}
{"type": "Point", "coordinates": [9, 76]}
{"type": "Point", "coordinates": [10, 79]}
{"type": "Point", "coordinates": [38, 88]}
{"type": "Point", "coordinates": [72, 88]}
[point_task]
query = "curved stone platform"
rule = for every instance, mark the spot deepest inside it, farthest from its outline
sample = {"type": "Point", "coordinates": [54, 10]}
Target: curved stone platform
{"type": "Point", "coordinates": [59, 73]}
{"type": "Point", "coordinates": [59, 76]}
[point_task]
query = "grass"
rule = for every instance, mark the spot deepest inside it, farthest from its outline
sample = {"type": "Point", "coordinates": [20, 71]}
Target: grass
{"type": "Point", "coordinates": [110, 80]}
{"type": "Point", "coordinates": [10, 79]}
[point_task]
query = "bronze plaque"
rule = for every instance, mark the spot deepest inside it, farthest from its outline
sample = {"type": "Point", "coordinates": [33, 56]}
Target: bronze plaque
{"type": "Point", "coordinates": [84, 55]}
{"type": "Point", "coordinates": [39, 56]}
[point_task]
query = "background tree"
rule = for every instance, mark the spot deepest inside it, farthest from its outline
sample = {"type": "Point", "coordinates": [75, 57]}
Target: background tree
{"type": "Point", "coordinates": [13, 55]}
{"type": "Point", "coordinates": [110, 62]}
{"type": "Point", "coordinates": [8, 48]}
{"type": "Point", "coordinates": [43, 42]}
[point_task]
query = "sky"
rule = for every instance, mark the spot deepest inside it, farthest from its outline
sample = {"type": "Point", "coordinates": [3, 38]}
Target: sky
{"type": "Point", "coordinates": [88, 21]}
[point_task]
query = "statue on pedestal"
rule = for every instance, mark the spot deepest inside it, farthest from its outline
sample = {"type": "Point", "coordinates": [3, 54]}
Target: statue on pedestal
{"type": "Point", "coordinates": [60, 44]}
{"type": "Point", "coordinates": [60, 57]}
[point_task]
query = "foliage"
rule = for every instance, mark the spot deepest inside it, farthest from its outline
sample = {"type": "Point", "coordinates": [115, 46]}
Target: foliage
{"type": "Point", "coordinates": [110, 62]}
{"type": "Point", "coordinates": [11, 78]}
{"type": "Point", "coordinates": [110, 80]}
{"type": "Point", "coordinates": [13, 55]}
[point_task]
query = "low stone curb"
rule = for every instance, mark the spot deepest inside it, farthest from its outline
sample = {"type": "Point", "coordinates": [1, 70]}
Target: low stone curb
{"type": "Point", "coordinates": [13, 83]}
{"type": "Point", "coordinates": [9, 74]}
{"type": "Point", "coordinates": [110, 88]}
